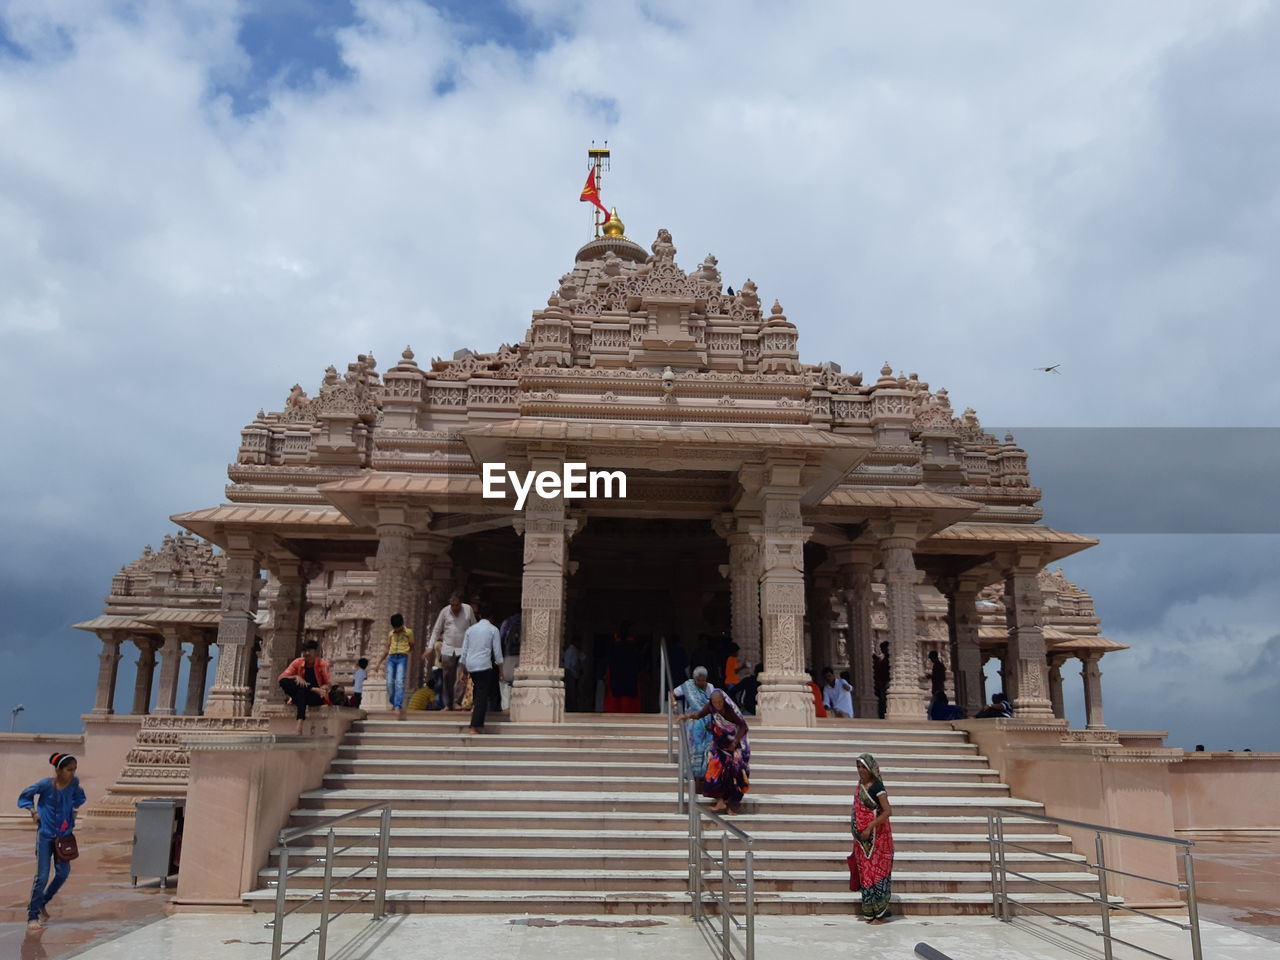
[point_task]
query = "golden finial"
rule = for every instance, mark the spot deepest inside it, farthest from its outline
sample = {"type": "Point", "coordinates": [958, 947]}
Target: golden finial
{"type": "Point", "coordinates": [613, 227]}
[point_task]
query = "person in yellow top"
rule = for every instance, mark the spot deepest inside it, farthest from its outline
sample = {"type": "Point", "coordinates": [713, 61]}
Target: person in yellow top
{"type": "Point", "coordinates": [399, 646]}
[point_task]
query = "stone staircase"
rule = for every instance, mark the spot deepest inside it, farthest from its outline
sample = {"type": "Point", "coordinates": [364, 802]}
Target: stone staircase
{"type": "Point", "coordinates": [581, 818]}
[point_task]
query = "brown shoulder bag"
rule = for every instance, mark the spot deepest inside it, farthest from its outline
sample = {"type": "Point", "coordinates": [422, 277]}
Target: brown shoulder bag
{"type": "Point", "coordinates": [65, 848]}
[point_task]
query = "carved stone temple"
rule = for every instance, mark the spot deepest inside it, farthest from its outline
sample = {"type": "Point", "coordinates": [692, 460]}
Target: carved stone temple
{"type": "Point", "coordinates": [806, 512]}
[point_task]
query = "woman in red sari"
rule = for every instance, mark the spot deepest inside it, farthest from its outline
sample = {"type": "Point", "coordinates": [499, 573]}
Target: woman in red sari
{"type": "Point", "coordinates": [871, 863]}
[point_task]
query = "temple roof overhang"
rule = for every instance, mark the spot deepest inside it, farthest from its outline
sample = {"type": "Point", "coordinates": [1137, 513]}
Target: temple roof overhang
{"type": "Point", "coordinates": [1056, 641]}
{"type": "Point", "coordinates": [151, 621]}
{"type": "Point", "coordinates": [979, 539]}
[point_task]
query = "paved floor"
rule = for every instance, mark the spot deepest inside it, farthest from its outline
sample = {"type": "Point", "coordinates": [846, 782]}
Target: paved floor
{"type": "Point", "coordinates": [242, 937]}
{"type": "Point", "coordinates": [100, 916]}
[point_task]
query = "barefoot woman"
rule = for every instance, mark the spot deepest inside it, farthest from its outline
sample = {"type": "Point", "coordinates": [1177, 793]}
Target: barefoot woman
{"type": "Point", "coordinates": [729, 759]}
{"type": "Point", "coordinates": [871, 863]}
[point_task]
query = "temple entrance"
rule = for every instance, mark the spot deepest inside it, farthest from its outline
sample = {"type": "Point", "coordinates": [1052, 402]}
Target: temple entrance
{"type": "Point", "coordinates": [656, 578]}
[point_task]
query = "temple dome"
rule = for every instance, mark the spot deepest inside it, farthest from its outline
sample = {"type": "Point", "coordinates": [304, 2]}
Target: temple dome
{"type": "Point", "coordinates": [596, 248]}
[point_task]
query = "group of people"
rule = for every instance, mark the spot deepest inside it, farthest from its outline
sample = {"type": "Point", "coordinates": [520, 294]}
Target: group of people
{"type": "Point", "coordinates": [468, 660]}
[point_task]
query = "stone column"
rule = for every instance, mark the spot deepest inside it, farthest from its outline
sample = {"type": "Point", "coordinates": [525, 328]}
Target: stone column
{"type": "Point", "coordinates": [196, 675]}
{"type": "Point", "coordinates": [394, 594]}
{"type": "Point", "coordinates": [905, 699]}
{"type": "Point", "coordinates": [146, 673]}
{"type": "Point", "coordinates": [962, 625]}
{"type": "Point", "coordinates": [432, 574]}
{"type": "Point", "coordinates": [171, 664]}
{"type": "Point", "coordinates": [108, 670]}
{"type": "Point", "coordinates": [785, 699]}
{"type": "Point", "coordinates": [1092, 674]}
{"type": "Point", "coordinates": [856, 566]}
{"type": "Point", "coordinates": [538, 692]}
{"type": "Point", "coordinates": [231, 695]}
{"type": "Point", "coordinates": [284, 640]}
{"type": "Point", "coordinates": [1055, 686]}
{"type": "Point", "coordinates": [820, 625]}
{"type": "Point", "coordinates": [744, 584]}
{"type": "Point", "coordinates": [1026, 641]}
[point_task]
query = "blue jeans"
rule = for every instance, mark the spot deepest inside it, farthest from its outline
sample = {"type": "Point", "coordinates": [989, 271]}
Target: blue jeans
{"type": "Point", "coordinates": [397, 664]}
{"type": "Point", "coordinates": [42, 890]}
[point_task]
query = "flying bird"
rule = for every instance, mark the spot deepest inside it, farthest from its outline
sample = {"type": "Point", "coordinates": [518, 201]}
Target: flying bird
{"type": "Point", "coordinates": [1052, 369]}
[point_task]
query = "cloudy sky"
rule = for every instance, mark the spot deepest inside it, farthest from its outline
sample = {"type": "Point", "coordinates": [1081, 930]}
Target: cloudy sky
{"type": "Point", "coordinates": [203, 202]}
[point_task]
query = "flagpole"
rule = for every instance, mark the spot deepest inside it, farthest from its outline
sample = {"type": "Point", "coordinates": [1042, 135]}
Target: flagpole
{"type": "Point", "coordinates": [599, 157]}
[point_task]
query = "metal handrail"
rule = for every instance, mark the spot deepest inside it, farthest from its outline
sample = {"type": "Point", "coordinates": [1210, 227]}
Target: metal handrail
{"type": "Point", "coordinates": [687, 802]}
{"type": "Point", "coordinates": [325, 893]}
{"type": "Point", "coordinates": [1002, 904]}
{"type": "Point", "coordinates": [665, 687]}
{"type": "Point", "coordinates": [926, 952]}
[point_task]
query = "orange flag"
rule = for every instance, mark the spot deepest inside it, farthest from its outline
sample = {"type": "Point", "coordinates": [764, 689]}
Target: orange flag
{"type": "Point", "coordinates": [591, 192]}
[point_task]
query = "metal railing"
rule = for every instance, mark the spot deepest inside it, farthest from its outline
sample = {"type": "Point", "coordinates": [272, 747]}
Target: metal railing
{"type": "Point", "coordinates": [1002, 904]}
{"type": "Point", "coordinates": [666, 686]}
{"type": "Point", "coordinates": [731, 946]}
{"type": "Point", "coordinates": [926, 952]}
{"type": "Point", "coordinates": [325, 893]}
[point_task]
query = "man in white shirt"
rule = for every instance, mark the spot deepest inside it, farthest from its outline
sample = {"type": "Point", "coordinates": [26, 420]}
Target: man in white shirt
{"type": "Point", "coordinates": [451, 626]}
{"type": "Point", "coordinates": [837, 694]}
{"type": "Point", "coordinates": [481, 656]}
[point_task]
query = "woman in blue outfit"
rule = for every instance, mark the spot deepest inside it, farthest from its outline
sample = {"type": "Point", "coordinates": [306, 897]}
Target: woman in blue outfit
{"type": "Point", "coordinates": [59, 798]}
{"type": "Point", "coordinates": [694, 694]}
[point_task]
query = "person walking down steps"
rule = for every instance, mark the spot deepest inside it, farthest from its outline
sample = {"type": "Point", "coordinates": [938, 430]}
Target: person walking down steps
{"type": "Point", "coordinates": [53, 803]}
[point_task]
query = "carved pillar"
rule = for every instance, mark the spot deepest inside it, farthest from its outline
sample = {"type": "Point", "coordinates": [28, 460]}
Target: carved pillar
{"type": "Point", "coordinates": [1055, 686]}
{"type": "Point", "coordinates": [432, 574]}
{"type": "Point", "coordinates": [538, 692]}
{"type": "Point", "coordinates": [962, 626]}
{"type": "Point", "coordinates": [1026, 641]}
{"type": "Point", "coordinates": [394, 594]}
{"type": "Point", "coordinates": [1092, 674]}
{"type": "Point", "coordinates": [146, 673]}
{"type": "Point", "coordinates": [108, 670]}
{"type": "Point", "coordinates": [231, 695]}
{"type": "Point", "coordinates": [197, 673]}
{"type": "Point", "coordinates": [905, 699]}
{"type": "Point", "coordinates": [784, 699]}
{"type": "Point", "coordinates": [744, 584]}
{"type": "Point", "coordinates": [171, 664]}
{"type": "Point", "coordinates": [284, 640]}
{"type": "Point", "coordinates": [855, 576]}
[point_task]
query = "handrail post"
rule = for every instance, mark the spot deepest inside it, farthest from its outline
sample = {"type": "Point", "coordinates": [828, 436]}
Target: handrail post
{"type": "Point", "coordinates": [726, 890]}
{"type": "Point", "coordinates": [695, 856]}
{"type": "Point", "coordinates": [1101, 853]}
{"type": "Point", "coordinates": [322, 948]}
{"type": "Point", "coordinates": [1006, 912]}
{"type": "Point", "coordinates": [1193, 907]}
{"type": "Point", "coordinates": [751, 903]}
{"type": "Point", "coordinates": [995, 883]}
{"type": "Point", "coordinates": [384, 854]}
{"type": "Point", "coordinates": [277, 928]}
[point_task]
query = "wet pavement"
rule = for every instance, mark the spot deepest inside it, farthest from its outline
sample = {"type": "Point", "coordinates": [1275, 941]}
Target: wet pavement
{"type": "Point", "coordinates": [97, 902]}
{"type": "Point", "coordinates": [1239, 883]}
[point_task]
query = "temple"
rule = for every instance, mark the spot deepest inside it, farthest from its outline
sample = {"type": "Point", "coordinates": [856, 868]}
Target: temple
{"type": "Point", "coordinates": [808, 513]}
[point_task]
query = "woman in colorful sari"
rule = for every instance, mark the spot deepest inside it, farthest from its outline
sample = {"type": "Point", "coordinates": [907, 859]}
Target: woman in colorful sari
{"type": "Point", "coordinates": [871, 863]}
{"type": "Point", "coordinates": [695, 693]}
{"type": "Point", "coordinates": [729, 759]}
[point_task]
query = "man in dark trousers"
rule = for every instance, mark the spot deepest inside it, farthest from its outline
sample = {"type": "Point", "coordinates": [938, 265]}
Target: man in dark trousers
{"type": "Point", "coordinates": [937, 674]}
{"type": "Point", "coordinates": [880, 677]}
{"type": "Point", "coordinates": [481, 655]}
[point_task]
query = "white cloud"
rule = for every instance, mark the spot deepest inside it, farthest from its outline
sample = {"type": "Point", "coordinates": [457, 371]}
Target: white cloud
{"type": "Point", "coordinates": [968, 190]}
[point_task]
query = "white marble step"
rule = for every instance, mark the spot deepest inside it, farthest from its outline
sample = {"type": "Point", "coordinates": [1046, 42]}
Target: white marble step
{"type": "Point", "coordinates": [977, 878]}
{"type": "Point", "coordinates": [763, 855]}
{"type": "Point", "coordinates": [854, 747]}
{"type": "Point", "coordinates": [660, 770]}
{"type": "Point", "coordinates": [756, 782]}
{"type": "Point", "coordinates": [487, 754]}
{"type": "Point", "coordinates": [600, 797]}
{"type": "Point", "coordinates": [762, 839]}
{"type": "Point", "coordinates": [534, 897]}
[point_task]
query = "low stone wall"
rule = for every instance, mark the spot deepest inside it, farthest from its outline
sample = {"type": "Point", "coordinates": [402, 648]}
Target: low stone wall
{"type": "Point", "coordinates": [24, 759]}
{"type": "Point", "coordinates": [240, 793]}
{"type": "Point", "coordinates": [1216, 794]}
{"type": "Point", "coordinates": [1115, 779]}
{"type": "Point", "coordinates": [108, 738]}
